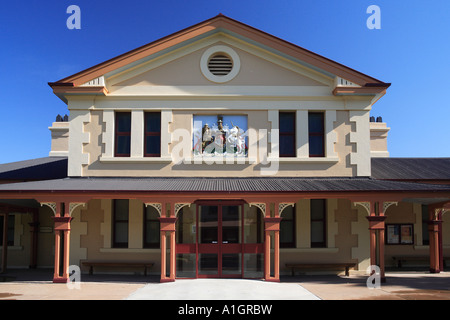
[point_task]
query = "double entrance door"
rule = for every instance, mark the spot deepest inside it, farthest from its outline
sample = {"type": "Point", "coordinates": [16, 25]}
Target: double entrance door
{"type": "Point", "coordinates": [227, 242]}
{"type": "Point", "coordinates": [219, 240]}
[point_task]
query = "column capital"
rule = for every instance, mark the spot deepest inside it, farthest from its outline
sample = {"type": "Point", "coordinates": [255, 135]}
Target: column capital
{"type": "Point", "coordinates": [434, 225]}
{"type": "Point", "coordinates": [167, 223]}
{"type": "Point", "coordinates": [376, 222]}
{"type": "Point", "coordinates": [272, 223]}
{"type": "Point", "coordinates": [62, 223]}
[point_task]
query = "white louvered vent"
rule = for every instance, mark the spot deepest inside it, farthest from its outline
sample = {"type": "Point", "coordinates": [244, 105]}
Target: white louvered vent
{"type": "Point", "coordinates": [220, 65]}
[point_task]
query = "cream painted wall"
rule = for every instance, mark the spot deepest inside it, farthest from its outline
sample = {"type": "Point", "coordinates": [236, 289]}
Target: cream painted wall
{"type": "Point", "coordinates": [342, 233]}
{"type": "Point", "coordinates": [378, 139]}
{"type": "Point", "coordinates": [60, 139]}
{"type": "Point", "coordinates": [96, 243]}
{"type": "Point", "coordinates": [174, 84]}
{"type": "Point", "coordinates": [99, 164]}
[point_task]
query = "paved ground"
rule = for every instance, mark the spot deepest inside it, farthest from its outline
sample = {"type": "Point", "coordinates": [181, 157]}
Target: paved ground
{"type": "Point", "coordinates": [37, 285]}
{"type": "Point", "coordinates": [222, 289]}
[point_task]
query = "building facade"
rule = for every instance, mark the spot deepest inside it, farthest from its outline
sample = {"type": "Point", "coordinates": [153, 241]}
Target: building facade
{"type": "Point", "coordinates": [222, 151]}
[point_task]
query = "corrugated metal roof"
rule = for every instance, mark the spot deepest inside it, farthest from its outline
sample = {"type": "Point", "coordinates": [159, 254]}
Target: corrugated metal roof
{"type": "Point", "coordinates": [35, 169]}
{"type": "Point", "coordinates": [411, 168]}
{"type": "Point", "coordinates": [256, 184]}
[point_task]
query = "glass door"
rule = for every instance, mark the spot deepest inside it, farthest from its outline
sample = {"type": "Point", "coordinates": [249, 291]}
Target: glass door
{"type": "Point", "coordinates": [208, 240]}
{"type": "Point", "coordinates": [219, 240]}
{"type": "Point", "coordinates": [231, 248]}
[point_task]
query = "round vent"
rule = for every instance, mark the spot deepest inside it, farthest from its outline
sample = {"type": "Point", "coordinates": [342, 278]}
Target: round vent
{"type": "Point", "coordinates": [220, 65]}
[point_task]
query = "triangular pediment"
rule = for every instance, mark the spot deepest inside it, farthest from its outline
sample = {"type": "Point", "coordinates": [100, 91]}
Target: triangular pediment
{"type": "Point", "coordinates": [265, 60]}
{"type": "Point", "coordinates": [183, 68]}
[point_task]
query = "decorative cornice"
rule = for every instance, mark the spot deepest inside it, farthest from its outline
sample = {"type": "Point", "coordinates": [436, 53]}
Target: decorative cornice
{"type": "Point", "coordinates": [345, 91]}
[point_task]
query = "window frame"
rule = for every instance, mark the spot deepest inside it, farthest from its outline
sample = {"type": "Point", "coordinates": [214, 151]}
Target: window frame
{"type": "Point", "coordinates": [292, 243]}
{"type": "Point", "coordinates": [150, 245]}
{"type": "Point", "coordinates": [400, 242]}
{"type": "Point", "coordinates": [425, 232]}
{"type": "Point", "coordinates": [316, 134]}
{"type": "Point", "coordinates": [288, 134]}
{"type": "Point", "coordinates": [116, 221]}
{"type": "Point", "coordinates": [10, 229]}
{"type": "Point", "coordinates": [152, 134]}
{"type": "Point", "coordinates": [118, 134]}
{"type": "Point", "coordinates": [322, 244]}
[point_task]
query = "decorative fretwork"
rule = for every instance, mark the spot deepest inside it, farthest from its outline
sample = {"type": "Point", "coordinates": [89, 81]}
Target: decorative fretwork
{"type": "Point", "coordinates": [284, 205]}
{"type": "Point", "coordinates": [365, 205]}
{"type": "Point", "coordinates": [261, 206]}
{"type": "Point", "coordinates": [179, 206]}
{"type": "Point", "coordinates": [387, 204]}
{"type": "Point", "coordinates": [157, 206]}
{"type": "Point", "coordinates": [437, 212]}
{"type": "Point", "coordinates": [74, 205]}
{"type": "Point", "coordinates": [51, 205]}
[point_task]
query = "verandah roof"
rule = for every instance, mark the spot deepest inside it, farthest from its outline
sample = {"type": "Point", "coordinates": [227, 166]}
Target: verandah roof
{"type": "Point", "coordinates": [200, 184]}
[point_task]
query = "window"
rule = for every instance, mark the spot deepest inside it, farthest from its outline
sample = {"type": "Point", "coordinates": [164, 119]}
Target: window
{"type": "Point", "coordinates": [318, 223]}
{"type": "Point", "coordinates": [120, 223]}
{"type": "Point", "coordinates": [399, 234]}
{"type": "Point", "coordinates": [151, 227]}
{"type": "Point", "coordinates": [287, 134]}
{"type": "Point", "coordinates": [316, 130]}
{"type": "Point", "coordinates": [425, 232]}
{"type": "Point", "coordinates": [10, 229]}
{"type": "Point", "coordinates": [287, 228]}
{"type": "Point", "coordinates": [152, 141]}
{"type": "Point", "coordinates": [123, 134]}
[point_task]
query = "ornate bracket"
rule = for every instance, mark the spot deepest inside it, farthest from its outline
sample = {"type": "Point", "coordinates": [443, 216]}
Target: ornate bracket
{"type": "Point", "coordinates": [437, 211]}
{"type": "Point", "coordinates": [284, 205]}
{"type": "Point", "coordinates": [157, 206]}
{"type": "Point", "coordinates": [261, 206]}
{"type": "Point", "coordinates": [74, 205]}
{"type": "Point", "coordinates": [365, 205]}
{"type": "Point", "coordinates": [51, 205]}
{"type": "Point", "coordinates": [179, 206]}
{"type": "Point", "coordinates": [387, 204]}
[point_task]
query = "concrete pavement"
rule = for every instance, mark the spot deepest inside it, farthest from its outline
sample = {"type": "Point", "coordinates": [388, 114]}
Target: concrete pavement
{"type": "Point", "coordinates": [222, 289]}
{"type": "Point", "coordinates": [37, 285]}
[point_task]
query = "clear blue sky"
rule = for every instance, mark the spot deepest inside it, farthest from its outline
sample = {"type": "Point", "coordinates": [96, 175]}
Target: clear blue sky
{"type": "Point", "coordinates": [411, 51]}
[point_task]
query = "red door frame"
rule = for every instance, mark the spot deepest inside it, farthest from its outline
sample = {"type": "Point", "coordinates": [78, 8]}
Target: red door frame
{"type": "Point", "coordinates": [220, 248]}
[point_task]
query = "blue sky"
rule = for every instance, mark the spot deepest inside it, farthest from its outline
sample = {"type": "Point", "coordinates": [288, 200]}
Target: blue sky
{"type": "Point", "coordinates": [411, 51]}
